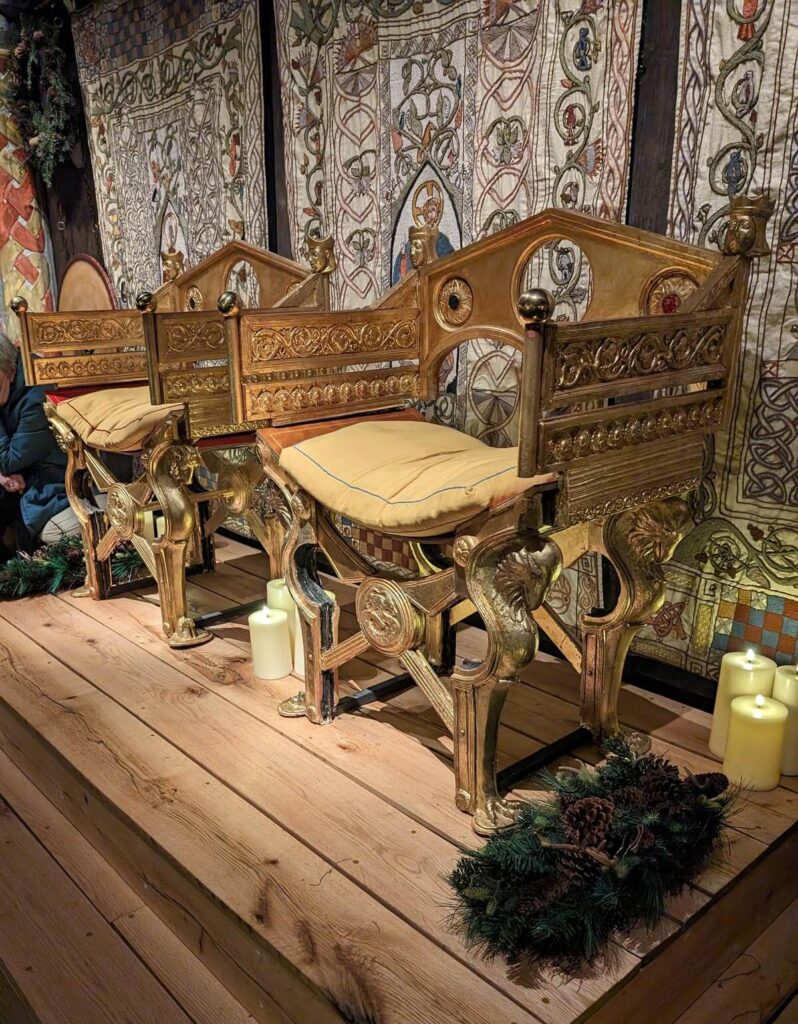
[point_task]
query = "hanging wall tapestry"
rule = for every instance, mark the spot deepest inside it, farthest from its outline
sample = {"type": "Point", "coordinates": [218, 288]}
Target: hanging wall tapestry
{"type": "Point", "coordinates": [470, 115]}
{"type": "Point", "coordinates": [24, 249]}
{"type": "Point", "coordinates": [734, 581]}
{"type": "Point", "coordinates": [174, 103]}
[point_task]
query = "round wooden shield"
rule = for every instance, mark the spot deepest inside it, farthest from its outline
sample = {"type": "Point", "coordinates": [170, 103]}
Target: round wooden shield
{"type": "Point", "coordinates": [86, 285]}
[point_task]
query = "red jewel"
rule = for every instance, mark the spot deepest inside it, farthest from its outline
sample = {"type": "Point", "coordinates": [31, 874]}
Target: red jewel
{"type": "Point", "coordinates": [670, 303]}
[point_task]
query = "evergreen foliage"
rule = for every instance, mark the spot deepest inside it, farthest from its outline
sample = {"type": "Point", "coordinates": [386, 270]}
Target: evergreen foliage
{"type": "Point", "coordinates": [43, 100]}
{"type": "Point", "coordinates": [597, 858]}
{"type": "Point", "coordinates": [60, 566]}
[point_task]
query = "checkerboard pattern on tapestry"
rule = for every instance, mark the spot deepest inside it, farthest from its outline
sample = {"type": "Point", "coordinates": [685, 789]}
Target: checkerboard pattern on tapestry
{"type": "Point", "coordinates": [765, 621]}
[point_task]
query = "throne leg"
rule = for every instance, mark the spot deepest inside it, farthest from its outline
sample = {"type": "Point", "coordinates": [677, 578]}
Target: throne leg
{"type": "Point", "coordinates": [507, 577]}
{"type": "Point", "coordinates": [637, 543]}
{"type": "Point", "coordinates": [317, 617]}
{"type": "Point", "coordinates": [171, 467]}
{"type": "Point", "coordinates": [77, 482]}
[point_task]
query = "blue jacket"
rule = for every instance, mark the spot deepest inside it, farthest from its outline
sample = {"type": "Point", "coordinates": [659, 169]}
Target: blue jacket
{"type": "Point", "coordinates": [27, 447]}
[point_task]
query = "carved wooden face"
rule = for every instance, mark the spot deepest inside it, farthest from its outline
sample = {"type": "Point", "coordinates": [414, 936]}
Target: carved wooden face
{"type": "Point", "coordinates": [317, 258]}
{"type": "Point", "coordinates": [418, 253]}
{"type": "Point", "coordinates": [741, 234]}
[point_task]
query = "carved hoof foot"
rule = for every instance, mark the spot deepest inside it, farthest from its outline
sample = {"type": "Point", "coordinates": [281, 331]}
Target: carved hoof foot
{"type": "Point", "coordinates": [187, 634]}
{"type": "Point", "coordinates": [497, 815]}
{"type": "Point", "coordinates": [293, 707]}
{"type": "Point", "coordinates": [639, 742]}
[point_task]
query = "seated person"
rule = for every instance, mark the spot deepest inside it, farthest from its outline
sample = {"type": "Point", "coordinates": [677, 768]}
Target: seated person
{"type": "Point", "coordinates": [33, 499]}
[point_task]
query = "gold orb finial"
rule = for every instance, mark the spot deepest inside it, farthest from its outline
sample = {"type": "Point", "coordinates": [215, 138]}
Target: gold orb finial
{"type": "Point", "coordinates": [535, 305]}
{"type": "Point", "coordinates": [145, 302]}
{"type": "Point", "coordinates": [19, 305]}
{"type": "Point", "coordinates": [228, 304]}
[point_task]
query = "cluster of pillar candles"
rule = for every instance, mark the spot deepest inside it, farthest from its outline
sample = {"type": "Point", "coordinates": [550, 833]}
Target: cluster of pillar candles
{"type": "Point", "coordinates": [276, 636]}
{"type": "Point", "coordinates": [755, 722]}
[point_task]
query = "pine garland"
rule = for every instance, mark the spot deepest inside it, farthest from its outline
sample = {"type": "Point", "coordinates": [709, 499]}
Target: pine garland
{"type": "Point", "coordinates": [60, 566]}
{"type": "Point", "coordinates": [596, 859]}
{"type": "Point", "coordinates": [43, 100]}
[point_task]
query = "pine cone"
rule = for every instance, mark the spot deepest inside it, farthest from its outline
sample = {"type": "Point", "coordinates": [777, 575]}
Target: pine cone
{"type": "Point", "coordinates": [709, 784]}
{"type": "Point", "coordinates": [541, 892]}
{"type": "Point", "coordinates": [588, 821]}
{"type": "Point", "coordinates": [577, 868]}
{"type": "Point", "coordinates": [664, 793]}
{"type": "Point", "coordinates": [567, 800]}
{"type": "Point", "coordinates": [654, 764]}
{"type": "Point", "coordinates": [628, 796]}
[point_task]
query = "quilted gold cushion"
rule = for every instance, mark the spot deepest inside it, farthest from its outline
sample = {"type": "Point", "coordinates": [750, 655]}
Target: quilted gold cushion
{"type": "Point", "coordinates": [416, 479]}
{"type": "Point", "coordinates": [116, 419]}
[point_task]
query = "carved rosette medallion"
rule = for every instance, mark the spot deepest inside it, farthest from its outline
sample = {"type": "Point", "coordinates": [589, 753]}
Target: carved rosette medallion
{"type": "Point", "coordinates": [387, 618]}
{"type": "Point", "coordinates": [455, 302]}
{"type": "Point", "coordinates": [194, 299]}
{"type": "Point", "coordinates": [666, 292]}
{"type": "Point", "coordinates": [462, 548]}
{"type": "Point", "coordinates": [122, 511]}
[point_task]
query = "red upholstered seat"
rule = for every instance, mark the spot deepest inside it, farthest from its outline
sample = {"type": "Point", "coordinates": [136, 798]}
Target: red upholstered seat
{"type": "Point", "coordinates": [226, 441]}
{"type": "Point", "coordinates": [63, 396]}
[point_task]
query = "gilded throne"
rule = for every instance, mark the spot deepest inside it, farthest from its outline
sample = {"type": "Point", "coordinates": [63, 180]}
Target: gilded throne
{"type": "Point", "coordinates": [153, 384]}
{"type": "Point", "coordinates": [615, 412]}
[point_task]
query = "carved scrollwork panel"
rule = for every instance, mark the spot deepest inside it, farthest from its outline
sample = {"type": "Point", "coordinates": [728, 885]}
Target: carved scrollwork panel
{"type": "Point", "coordinates": [70, 332]}
{"type": "Point", "coordinates": [194, 339]}
{"type": "Point", "coordinates": [609, 358]}
{"type": "Point", "coordinates": [300, 341]}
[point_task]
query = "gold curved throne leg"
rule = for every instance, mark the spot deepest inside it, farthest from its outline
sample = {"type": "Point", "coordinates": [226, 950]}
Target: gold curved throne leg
{"type": "Point", "coordinates": [318, 616]}
{"type": "Point", "coordinates": [77, 483]}
{"type": "Point", "coordinates": [637, 543]}
{"type": "Point", "coordinates": [171, 467]}
{"type": "Point", "coordinates": [507, 577]}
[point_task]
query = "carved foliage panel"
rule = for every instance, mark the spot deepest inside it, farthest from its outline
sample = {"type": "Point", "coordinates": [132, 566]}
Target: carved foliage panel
{"type": "Point", "coordinates": [100, 330]}
{"type": "Point", "coordinates": [366, 336]}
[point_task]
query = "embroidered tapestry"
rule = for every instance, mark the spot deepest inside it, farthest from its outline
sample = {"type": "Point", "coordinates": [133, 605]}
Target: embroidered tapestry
{"type": "Point", "coordinates": [174, 104]}
{"type": "Point", "coordinates": [25, 262]}
{"type": "Point", "coordinates": [734, 580]}
{"type": "Point", "coordinates": [466, 114]}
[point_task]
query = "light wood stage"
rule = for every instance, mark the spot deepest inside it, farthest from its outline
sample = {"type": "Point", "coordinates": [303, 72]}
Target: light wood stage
{"type": "Point", "coordinates": [156, 806]}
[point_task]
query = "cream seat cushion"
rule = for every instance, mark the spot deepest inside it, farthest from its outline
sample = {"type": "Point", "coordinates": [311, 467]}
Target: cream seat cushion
{"type": "Point", "coordinates": [412, 478]}
{"type": "Point", "coordinates": [115, 419]}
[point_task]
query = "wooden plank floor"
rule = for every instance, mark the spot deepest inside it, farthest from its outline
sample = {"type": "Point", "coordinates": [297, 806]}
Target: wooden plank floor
{"type": "Point", "coordinates": [304, 866]}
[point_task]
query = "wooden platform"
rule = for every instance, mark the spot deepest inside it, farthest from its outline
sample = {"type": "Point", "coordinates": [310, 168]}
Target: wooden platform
{"type": "Point", "coordinates": [157, 794]}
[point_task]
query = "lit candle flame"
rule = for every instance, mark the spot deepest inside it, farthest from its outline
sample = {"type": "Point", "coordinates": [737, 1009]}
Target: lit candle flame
{"type": "Point", "coordinates": [750, 654]}
{"type": "Point", "coordinates": [759, 700]}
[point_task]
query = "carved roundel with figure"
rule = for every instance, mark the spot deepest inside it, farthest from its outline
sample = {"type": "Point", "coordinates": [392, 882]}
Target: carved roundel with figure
{"type": "Point", "coordinates": [455, 302]}
{"type": "Point", "coordinates": [666, 292]}
{"type": "Point", "coordinates": [388, 620]}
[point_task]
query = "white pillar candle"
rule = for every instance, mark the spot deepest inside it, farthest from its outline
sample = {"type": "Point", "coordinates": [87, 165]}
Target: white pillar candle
{"type": "Point", "coordinates": [279, 596]}
{"type": "Point", "coordinates": [785, 691]}
{"type": "Point", "coordinates": [743, 672]}
{"type": "Point", "coordinates": [755, 743]}
{"type": "Point", "coordinates": [271, 644]}
{"type": "Point", "coordinates": [299, 646]}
